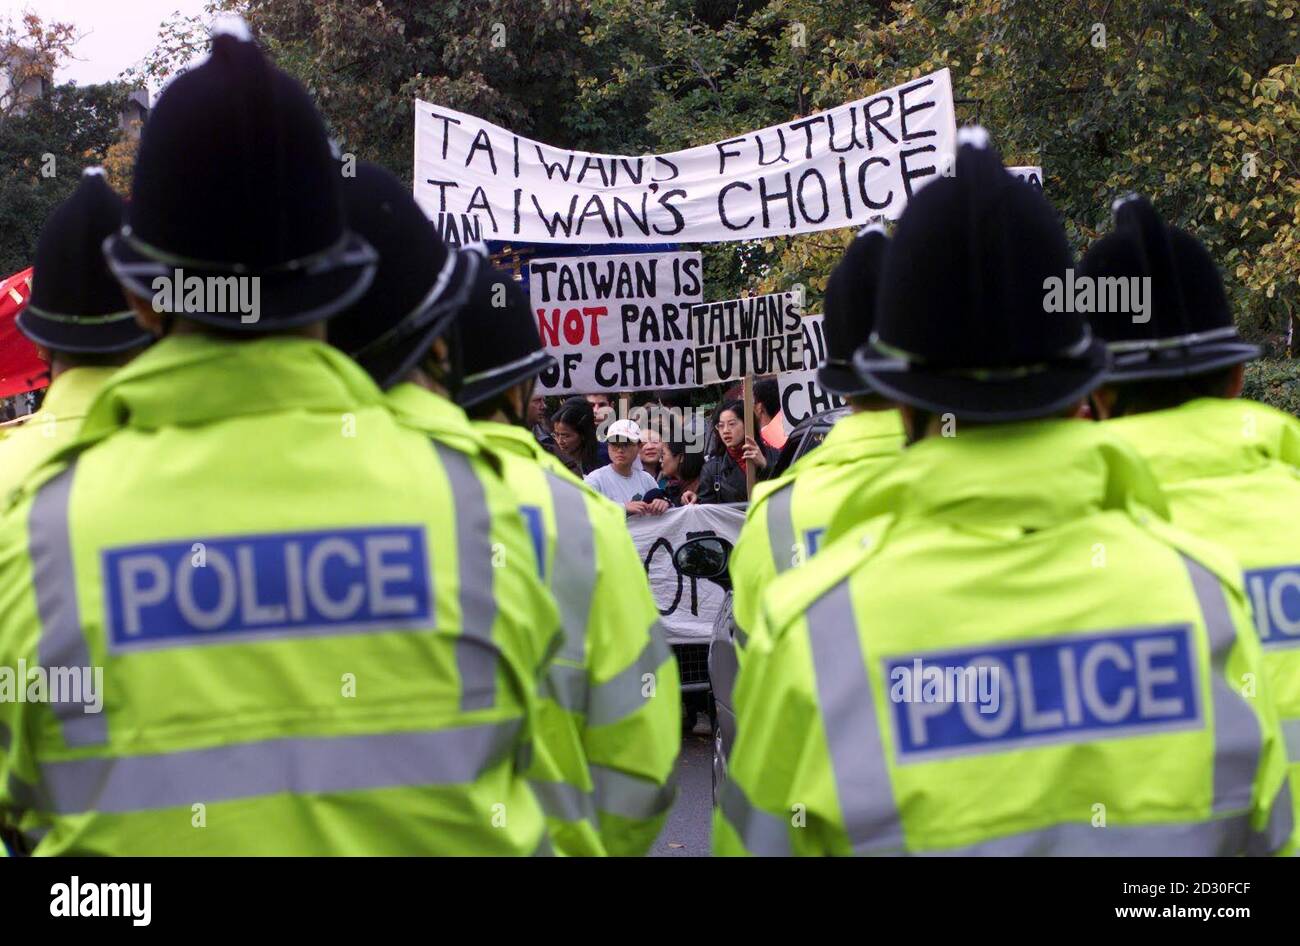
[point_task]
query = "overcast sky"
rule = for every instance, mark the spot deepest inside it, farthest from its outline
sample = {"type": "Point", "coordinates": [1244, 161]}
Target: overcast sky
{"type": "Point", "coordinates": [117, 33]}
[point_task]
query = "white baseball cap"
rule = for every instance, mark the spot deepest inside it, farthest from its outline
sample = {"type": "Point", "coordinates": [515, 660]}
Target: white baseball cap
{"type": "Point", "coordinates": [623, 430]}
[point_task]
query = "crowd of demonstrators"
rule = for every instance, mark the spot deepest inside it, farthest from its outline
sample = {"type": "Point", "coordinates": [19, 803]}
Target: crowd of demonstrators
{"type": "Point", "coordinates": [672, 468]}
{"type": "Point", "coordinates": [723, 478]}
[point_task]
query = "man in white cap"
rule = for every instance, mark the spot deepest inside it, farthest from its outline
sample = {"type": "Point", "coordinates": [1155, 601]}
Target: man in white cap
{"type": "Point", "coordinates": [619, 480]}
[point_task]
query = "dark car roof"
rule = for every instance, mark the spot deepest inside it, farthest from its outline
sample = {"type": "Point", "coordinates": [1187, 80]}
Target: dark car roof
{"type": "Point", "coordinates": [806, 435]}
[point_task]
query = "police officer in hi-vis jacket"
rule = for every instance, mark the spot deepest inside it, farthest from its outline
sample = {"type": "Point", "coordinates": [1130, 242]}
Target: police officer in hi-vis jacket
{"type": "Point", "coordinates": [1004, 648]}
{"type": "Point", "coordinates": [310, 642]}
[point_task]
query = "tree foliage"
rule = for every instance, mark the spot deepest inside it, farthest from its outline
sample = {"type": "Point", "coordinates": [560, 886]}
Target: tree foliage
{"type": "Point", "coordinates": [42, 155]}
{"type": "Point", "coordinates": [1196, 105]}
{"type": "Point", "coordinates": [513, 62]}
{"type": "Point", "coordinates": [47, 142]}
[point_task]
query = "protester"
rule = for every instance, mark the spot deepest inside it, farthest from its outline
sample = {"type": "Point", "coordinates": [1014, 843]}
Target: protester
{"type": "Point", "coordinates": [78, 316]}
{"type": "Point", "coordinates": [683, 422]}
{"type": "Point", "coordinates": [723, 478]}
{"type": "Point", "coordinates": [767, 413]}
{"type": "Point", "coordinates": [619, 481]}
{"type": "Point", "coordinates": [651, 454]}
{"type": "Point", "coordinates": [1014, 544]}
{"type": "Point", "coordinates": [574, 427]}
{"type": "Point", "coordinates": [538, 420]}
{"type": "Point", "coordinates": [680, 473]}
{"type": "Point", "coordinates": [303, 621]}
{"type": "Point", "coordinates": [601, 406]}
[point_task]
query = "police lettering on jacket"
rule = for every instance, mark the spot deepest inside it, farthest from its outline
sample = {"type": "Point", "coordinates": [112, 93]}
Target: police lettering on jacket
{"type": "Point", "coordinates": [1275, 598]}
{"type": "Point", "coordinates": [1072, 688]}
{"type": "Point", "coordinates": [179, 593]}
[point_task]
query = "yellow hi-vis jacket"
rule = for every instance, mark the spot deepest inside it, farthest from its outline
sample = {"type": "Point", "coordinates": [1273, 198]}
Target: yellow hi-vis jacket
{"type": "Point", "coordinates": [268, 621]}
{"type": "Point", "coordinates": [1004, 650]}
{"type": "Point", "coordinates": [614, 681]}
{"type": "Point", "coordinates": [25, 446]}
{"type": "Point", "coordinates": [1231, 471]}
{"type": "Point", "coordinates": [788, 516]}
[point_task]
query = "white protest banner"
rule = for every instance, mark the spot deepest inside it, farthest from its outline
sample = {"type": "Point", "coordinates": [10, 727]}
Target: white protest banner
{"type": "Point", "coordinates": [616, 323]}
{"type": "Point", "coordinates": [755, 335]}
{"type": "Point", "coordinates": [1029, 173]}
{"type": "Point", "coordinates": [801, 395]}
{"type": "Point", "coordinates": [688, 606]}
{"type": "Point", "coordinates": [836, 168]}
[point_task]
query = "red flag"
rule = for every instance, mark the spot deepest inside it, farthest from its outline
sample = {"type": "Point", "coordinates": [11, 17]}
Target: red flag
{"type": "Point", "coordinates": [21, 366]}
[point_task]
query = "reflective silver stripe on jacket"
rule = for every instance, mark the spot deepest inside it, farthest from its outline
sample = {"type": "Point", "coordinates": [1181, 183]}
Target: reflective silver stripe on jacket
{"type": "Point", "coordinates": [1238, 741]}
{"type": "Point", "coordinates": [865, 794]}
{"type": "Point", "coordinates": [780, 526]}
{"type": "Point", "coordinates": [623, 694]}
{"type": "Point", "coordinates": [137, 783]}
{"type": "Point", "coordinates": [1220, 837]}
{"type": "Point", "coordinates": [573, 576]}
{"type": "Point", "coordinates": [848, 710]}
{"type": "Point", "coordinates": [614, 793]}
{"type": "Point", "coordinates": [564, 802]}
{"type": "Point", "coordinates": [62, 642]}
{"type": "Point", "coordinates": [1281, 824]}
{"type": "Point", "coordinates": [476, 653]}
{"type": "Point", "coordinates": [568, 686]}
{"type": "Point", "coordinates": [1291, 735]}
{"type": "Point", "coordinates": [629, 796]}
{"type": "Point", "coordinates": [761, 833]}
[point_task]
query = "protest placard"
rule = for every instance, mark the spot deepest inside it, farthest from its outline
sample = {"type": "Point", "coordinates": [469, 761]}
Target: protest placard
{"type": "Point", "coordinates": [801, 394]}
{"type": "Point", "coordinates": [687, 606]}
{"type": "Point", "coordinates": [616, 323]}
{"type": "Point", "coordinates": [756, 335]}
{"type": "Point", "coordinates": [837, 168]}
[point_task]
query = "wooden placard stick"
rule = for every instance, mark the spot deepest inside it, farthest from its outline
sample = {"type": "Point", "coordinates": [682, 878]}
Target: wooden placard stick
{"type": "Point", "coordinates": [751, 471]}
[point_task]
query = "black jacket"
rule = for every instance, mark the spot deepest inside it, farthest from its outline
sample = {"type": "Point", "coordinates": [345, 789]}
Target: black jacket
{"type": "Point", "coordinates": [723, 481]}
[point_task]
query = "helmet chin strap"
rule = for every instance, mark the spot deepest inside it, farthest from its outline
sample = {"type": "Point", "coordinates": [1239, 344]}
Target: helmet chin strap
{"type": "Point", "coordinates": [449, 374]}
{"type": "Point", "coordinates": [919, 426]}
{"type": "Point", "coordinates": [516, 418]}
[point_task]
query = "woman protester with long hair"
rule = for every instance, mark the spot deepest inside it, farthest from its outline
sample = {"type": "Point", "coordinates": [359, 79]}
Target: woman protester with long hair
{"type": "Point", "coordinates": [574, 428]}
{"type": "Point", "coordinates": [723, 478]}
